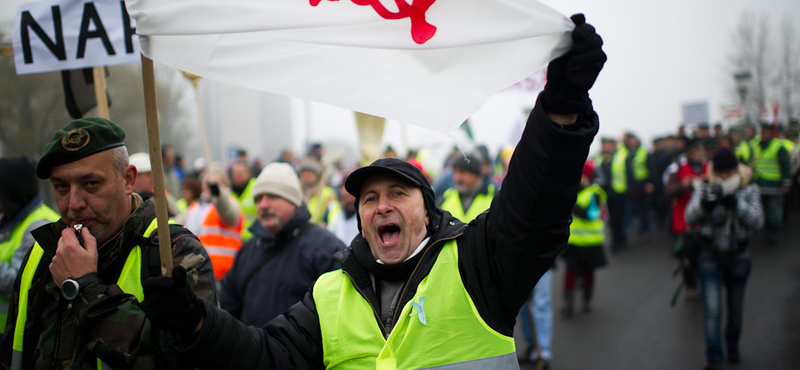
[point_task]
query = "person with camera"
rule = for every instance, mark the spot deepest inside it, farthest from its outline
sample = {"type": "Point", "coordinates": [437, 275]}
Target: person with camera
{"type": "Point", "coordinates": [217, 219]}
{"type": "Point", "coordinates": [727, 208]}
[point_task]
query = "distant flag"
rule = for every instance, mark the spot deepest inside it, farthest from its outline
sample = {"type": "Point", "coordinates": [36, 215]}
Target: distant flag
{"type": "Point", "coordinates": [432, 63]}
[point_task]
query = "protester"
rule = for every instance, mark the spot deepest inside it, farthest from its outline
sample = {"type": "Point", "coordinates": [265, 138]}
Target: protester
{"type": "Point", "coordinates": [536, 319]}
{"type": "Point", "coordinates": [342, 218]}
{"type": "Point", "coordinates": [191, 188]}
{"type": "Point", "coordinates": [772, 174]}
{"type": "Point", "coordinates": [692, 170]}
{"type": "Point", "coordinates": [641, 185]}
{"type": "Point", "coordinates": [217, 220]}
{"type": "Point", "coordinates": [75, 304]}
{"type": "Point", "coordinates": [144, 181]}
{"type": "Point", "coordinates": [619, 196]}
{"type": "Point", "coordinates": [470, 194]}
{"type": "Point", "coordinates": [21, 211]}
{"type": "Point", "coordinates": [317, 195]}
{"type": "Point", "coordinates": [584, 251]}
{"type": "Point", "coordinates": [417, 288]}
{"type": "Point", "coordinates": [287, 253]}
{"type": "Point", "coordinates": [728, 210]}
{"type": "Point", "coordinates": [171, 182]}
{"type": "Point", "coordinates": [242, 182]}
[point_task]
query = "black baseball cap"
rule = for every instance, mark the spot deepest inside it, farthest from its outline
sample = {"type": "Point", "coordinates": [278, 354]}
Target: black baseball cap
{"type": "Point", "coordinates": [404, 170]}
{"type": "Point", "coordinates": [394, 166]}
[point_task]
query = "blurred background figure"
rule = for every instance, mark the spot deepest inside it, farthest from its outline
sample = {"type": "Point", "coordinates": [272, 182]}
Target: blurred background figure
{"type": "Point", "coordinates": [691, 170]}
{"type": "Point", "coordinates": [584, 251]}
{"type": "Point", "coordinates": [274, 269]}
{"type": "Point", "coordinates": [728, 208]}
{"type": "Point", "coordinates": [242, 182]}
{"type": "Point", "coordinates": [772, 174]}
{"type": "Point", "coordinates": [21, 210]}
{"type": "Point", "coordinates": [217, 220]}
{"type": "Point", "coordinates": [317, 195]}
{"type": "Point", "coordinates": [144, 182]}
{"type": "Point", "coordinates": [342, 219]}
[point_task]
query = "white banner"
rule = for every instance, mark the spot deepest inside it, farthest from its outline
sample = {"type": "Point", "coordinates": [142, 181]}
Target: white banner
{"type": "Point", "coordinates": [426, 62]}
{"type": "Point", "coordinates": [54, 35]}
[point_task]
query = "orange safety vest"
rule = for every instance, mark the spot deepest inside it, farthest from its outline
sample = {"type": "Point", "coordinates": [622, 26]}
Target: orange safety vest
{"type": "Point", "coordinates": [220, 241]}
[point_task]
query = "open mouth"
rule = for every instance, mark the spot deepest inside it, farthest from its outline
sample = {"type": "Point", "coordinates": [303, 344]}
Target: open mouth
{"type": "Point", "coordinates": [389, 234]}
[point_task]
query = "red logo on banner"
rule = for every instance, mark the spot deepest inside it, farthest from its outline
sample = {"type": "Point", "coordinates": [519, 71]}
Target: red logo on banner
{"type": "Point", "coordinates": [421, 30]}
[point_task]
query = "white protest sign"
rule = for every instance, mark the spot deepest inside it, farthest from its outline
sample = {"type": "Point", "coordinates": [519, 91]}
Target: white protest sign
{"type": "Point", "coordinates": [695, 112]}
{"type": "Point", "coordinates": [55, 35]}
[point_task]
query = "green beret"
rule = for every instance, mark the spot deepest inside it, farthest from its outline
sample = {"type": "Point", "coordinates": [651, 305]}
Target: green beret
{"type": "Point", "coordinates": [79, 138]}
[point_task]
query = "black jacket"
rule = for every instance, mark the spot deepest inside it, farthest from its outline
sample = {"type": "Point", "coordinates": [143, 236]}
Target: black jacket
{"type": "Point", "coordinates": [269, 275]}
{"type": "Point", "coordinates": [502, 254]}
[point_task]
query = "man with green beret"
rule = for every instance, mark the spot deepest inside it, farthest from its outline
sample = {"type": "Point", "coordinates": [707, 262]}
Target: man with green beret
{"type": "Point", "coordinates": [77, 302]}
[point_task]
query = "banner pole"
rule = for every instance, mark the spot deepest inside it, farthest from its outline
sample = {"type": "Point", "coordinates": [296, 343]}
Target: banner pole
{"type": "Point", "coordinates": [154, 140]}
{"type": "Point", "coordinates": [201, 118]}
{"type": "Point", "coordinates": [99, 74]}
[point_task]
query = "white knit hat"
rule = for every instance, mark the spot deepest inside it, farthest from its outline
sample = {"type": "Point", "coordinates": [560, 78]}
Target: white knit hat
{"type": "Point", "coordinates": [141, 161]}
{"type": "Point", "coordinates": [281, 180]}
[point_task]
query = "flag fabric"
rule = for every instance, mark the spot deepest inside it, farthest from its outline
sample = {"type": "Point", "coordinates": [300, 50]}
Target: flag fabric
{"type": "Point", "coordinates": [430, 63]}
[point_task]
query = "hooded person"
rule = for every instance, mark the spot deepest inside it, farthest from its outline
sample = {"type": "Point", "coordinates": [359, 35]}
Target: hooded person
{"type": "Point", "coordinates": [21, 211]}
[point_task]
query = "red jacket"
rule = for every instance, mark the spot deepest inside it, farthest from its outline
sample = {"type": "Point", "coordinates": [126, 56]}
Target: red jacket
{"type": "Point", "coordinates": [682, 199]}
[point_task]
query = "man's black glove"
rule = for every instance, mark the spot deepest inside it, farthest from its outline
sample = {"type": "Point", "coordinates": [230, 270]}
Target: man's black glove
{"type": "Point", "coordinates": [729, 201]}
{"type": "Point", "coordinates": [170, 303]}
{"type": "Point", "coordinates": [570, 76]}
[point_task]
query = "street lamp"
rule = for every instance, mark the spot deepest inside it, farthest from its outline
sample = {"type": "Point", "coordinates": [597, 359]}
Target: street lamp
{"type": "Point", "coordinates": [742, 79]}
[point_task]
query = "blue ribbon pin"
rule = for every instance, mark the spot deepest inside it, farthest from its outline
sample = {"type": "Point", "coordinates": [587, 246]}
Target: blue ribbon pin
{"type": "Point", "coordinates": [420, 310]}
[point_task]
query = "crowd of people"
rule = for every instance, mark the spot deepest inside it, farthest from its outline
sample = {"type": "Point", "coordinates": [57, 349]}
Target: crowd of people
{"type": "Point", "coordinates": [255, 248]}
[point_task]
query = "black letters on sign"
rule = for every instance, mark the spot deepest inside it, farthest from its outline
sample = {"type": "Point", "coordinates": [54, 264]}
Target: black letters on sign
{"type": "Point", "coordinates": [126, 27]}
{"type": "Point", "coordinates": [90, 16]}
{"type": "Point", "coordinates": [57, 47]}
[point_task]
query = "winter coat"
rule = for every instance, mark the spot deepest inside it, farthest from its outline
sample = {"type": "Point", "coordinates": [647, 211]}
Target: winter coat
{"type": "Point", "coordinates": [105, 322]}
{"type": "Point", "coordinates": [269, 275]}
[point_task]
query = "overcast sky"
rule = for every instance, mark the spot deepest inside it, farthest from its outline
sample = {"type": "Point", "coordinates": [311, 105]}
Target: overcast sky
{"type": "Point", "coordinates": [661, 55]}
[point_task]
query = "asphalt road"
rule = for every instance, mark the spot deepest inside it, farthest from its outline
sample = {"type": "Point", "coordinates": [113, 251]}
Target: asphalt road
{"type": "Point", "coordinates": [632, 325]}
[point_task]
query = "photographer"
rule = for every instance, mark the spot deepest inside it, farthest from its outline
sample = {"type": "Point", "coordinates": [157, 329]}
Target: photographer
{"type": "Point", "coordinates": [727, 208]}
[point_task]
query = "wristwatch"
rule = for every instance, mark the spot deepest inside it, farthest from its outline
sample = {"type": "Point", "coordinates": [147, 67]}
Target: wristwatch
{"type": "Point", "coordinates": [70, 288]}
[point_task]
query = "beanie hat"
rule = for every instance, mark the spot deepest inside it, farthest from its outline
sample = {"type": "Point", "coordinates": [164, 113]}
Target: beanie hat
{"type": "Point", "coordinates": [141, 161]}
{"type": "Point", "coordinates": [18, 183]}
{"type": "Point", "coordinates": [78, 139]}
{"type": "Point", "coordinates": [469, 163]}
{"type": "Point", "coordinates": [308, 164]}
{"type": "Point", "coordinates": [588, 169]}
{"type": "Point", "coordinates": [281, 180]}
{"type": "Point", "coordinates": [724, 160]}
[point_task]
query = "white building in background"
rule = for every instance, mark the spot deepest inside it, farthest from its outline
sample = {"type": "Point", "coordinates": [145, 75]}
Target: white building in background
{"type": "Point", "coordinates": [264, 124]}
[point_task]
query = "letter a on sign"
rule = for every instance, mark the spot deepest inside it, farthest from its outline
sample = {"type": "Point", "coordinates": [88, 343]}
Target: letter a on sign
{"type": "Point", "coordinates": [54, 35]}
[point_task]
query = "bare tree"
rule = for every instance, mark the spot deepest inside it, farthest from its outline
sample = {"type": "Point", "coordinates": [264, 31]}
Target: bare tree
{"type": "Point", "coordinates": [32, 108]}
{"type": "Point", "coordinates": [788, 76]}
{"type": "Point", "coordinates": [751, 52]}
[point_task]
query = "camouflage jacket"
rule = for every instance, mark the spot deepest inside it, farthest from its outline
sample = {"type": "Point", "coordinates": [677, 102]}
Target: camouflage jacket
{"type": "Point", "coordinates": [103, 322]}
